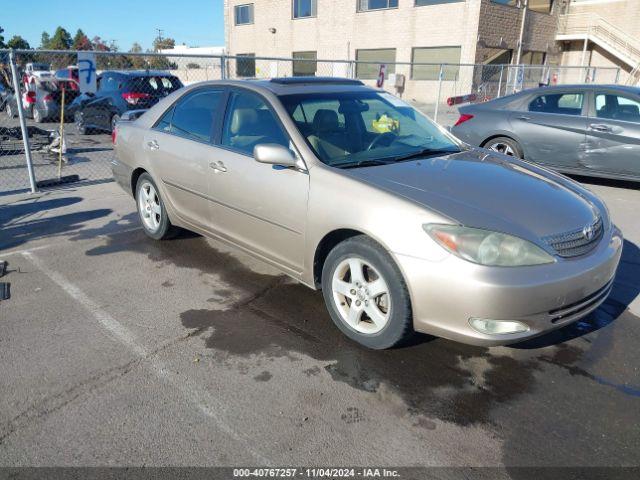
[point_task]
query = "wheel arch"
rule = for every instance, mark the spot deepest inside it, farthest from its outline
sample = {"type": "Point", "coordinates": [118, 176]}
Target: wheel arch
{"type": "Point", "coordinates": [135, 175]}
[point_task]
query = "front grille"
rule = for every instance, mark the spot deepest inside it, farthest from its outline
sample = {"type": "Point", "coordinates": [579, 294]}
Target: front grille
{"type": "Point", "coordinates": [576, 242]}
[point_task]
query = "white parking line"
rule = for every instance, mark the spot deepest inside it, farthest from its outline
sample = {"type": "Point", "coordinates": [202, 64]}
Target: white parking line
{"type": "Point", "coordinates": [197, 397]}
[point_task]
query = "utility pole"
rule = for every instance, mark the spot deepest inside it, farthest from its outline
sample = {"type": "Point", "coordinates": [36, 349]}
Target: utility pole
{"type": "Point", "coordinates": [522, 25]}
{"type": "Point", "coordinates": [159, 37]}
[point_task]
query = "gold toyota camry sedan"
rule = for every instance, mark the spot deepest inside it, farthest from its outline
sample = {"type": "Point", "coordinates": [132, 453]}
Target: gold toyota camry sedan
{"type": "Point", "coordinates": [350, 190]}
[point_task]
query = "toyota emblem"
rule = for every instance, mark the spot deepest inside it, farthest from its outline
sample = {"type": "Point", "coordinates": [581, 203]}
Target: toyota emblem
{"type": "Point", "coordinates": [588, 232]}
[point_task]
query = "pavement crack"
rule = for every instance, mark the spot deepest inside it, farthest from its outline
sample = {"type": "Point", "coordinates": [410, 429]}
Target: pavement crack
{"type": "Point", "coordinates": [53, 403]}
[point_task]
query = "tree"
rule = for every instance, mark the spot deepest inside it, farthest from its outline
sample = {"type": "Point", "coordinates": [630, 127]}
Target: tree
{"type": "Point", "coordinates": [163, 43]}
{"type": "Point", "coordinates": [137, 61]}
{"type": "Point", "coordinates": [193, 65]}
{"type": "Point", "coordinates": [61, 40]}
{"type": "Point", "coordinates": [18, 43]}
{"type": "Point", "coordinates": [45, 41]}
{"type": "Point", "coordinates": [2, 45]}
{"type": "Point", "coordinates": [81, 41]}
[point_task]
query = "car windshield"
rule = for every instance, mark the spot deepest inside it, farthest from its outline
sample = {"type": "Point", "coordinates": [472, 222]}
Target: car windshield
{"type": "Point", "coordinates": [155, 84]}
{"type": "Point", "coordinates": [353, 129]}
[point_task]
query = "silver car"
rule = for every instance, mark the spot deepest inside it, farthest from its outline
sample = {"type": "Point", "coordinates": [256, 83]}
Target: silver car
{"type": "Point", "coordinates": [350, 190]}
{"type": "Point", "coordinates": [582, 129]}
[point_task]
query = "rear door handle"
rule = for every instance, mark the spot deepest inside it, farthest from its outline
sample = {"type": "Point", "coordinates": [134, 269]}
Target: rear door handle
{"type": "Point", "coordinates": [523, 118]}
{"type": "Point", "coordinates": [153, 145]}
{"type": "Point", "coordinates": [218, 166]}
{"type": "Point", "coordinates": [599, 127]}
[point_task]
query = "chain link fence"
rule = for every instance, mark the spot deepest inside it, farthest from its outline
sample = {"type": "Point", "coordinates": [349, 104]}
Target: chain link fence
{"type": "Point", "coordinates": [64, 135]}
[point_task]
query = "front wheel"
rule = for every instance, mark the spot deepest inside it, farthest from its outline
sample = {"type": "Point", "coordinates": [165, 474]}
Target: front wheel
{"type": "Point", "coordinates": [37, 116]}
{"type": "Point", "coordinates": [366, 295]}
{"type": "Point", "coordinates": [151, 209]}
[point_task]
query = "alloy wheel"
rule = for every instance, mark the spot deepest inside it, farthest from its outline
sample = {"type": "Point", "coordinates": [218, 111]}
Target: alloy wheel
{"type": "Point", "coordinates": [361, 295]}
{"type": "Point", "coordinates": [149, 207]}
{"type": "Point", "coordinates": [502, 148]}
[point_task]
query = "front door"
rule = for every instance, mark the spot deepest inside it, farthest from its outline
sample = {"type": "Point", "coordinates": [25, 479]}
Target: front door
{"type": "Point", "coordinates": [261, 207]}
{"type": "Point", "coordinates": [552, 129]}
{"type": "Point", "coordinates": [180, 149]}
{"type": "Point", "coordinates": [613, 134]}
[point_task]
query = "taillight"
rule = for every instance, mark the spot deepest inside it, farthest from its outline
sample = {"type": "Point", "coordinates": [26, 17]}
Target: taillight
{"type": "Point", "coordinates": [48, 98]}
{"type": "Point", "coordinates": [132, 98]}
{"type": "Point", "coordinates": [30, 97]}
{"type": "Point", "coordinates": [463, 118]}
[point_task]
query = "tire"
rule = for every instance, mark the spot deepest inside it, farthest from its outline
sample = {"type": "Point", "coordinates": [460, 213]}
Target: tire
{"type": "Point", "coordinates": [505, 146]}
{"type": "Point", "coordinates": [114, 121]}
{"type": "Point", "coordinates": [343, 294]}
{"type": "Point", "coordinates": [9, 111]}
{"type": "Point", "coordinates": [151, 210]}
{"type": "Point", "coordinates": [37, 116]}
{"type": "Point", "coordinates": [80, 126]}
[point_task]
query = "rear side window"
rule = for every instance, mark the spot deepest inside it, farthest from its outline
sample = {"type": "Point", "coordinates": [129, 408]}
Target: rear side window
{"type": "Point", "coordinates": [616, 107]}
{"type": "Point", "coordinates": [193, 116]}
{"type": "Point", "coordinates": [154, 84]}
{"type": "Point", "coordinates": [559, 103]}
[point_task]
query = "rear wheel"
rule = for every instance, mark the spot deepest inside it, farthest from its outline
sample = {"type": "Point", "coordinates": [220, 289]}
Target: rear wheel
{"type": "Point", "coordinates": [37, 115]}
{"type": "Point", "coordinates": [366, 295]}
{"type": "Point", "coordinates": [80, 126]}
{"type": "Point", "coordinates": [505, 145]}
{"type": "Point", "coordinates": [151, 210]}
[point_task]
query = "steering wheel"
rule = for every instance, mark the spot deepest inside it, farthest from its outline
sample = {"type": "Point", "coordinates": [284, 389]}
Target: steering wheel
{"type": "Point", "coordinates": [374, 143]}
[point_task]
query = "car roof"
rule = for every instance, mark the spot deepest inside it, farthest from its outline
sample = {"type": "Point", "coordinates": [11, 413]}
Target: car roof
{"type": "Point", "coordinates": [584, 86]}
{"type": "Point", "coordinates": [281, 86]}
{"type": "Point", "coordinates": [139, 73]}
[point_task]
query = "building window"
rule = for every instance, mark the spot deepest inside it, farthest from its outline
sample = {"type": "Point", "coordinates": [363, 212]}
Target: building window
{"type": "Point", "coordinates": [435, 56]}
{"type": "Point", "coordinates": [511, 3]}
{"type": "Point", "coordinates": [304, 8]}
{"type": "Point", "coordinates": [305, 64]}
{"type": "Point", "coordinates": [246, 65]}
{"type": "Point", "coordinates": [366, 5]}
{"type": "Point", "coordinates": [422, 3]}
{"type": "Point", "coordinates": [244, 14]}
{"type": "Point", "coordinates": [374, 58]}
{"type": "Point", "coordinates": [542, 6]}
{"type": "Point", "coordinates": [532, 58]}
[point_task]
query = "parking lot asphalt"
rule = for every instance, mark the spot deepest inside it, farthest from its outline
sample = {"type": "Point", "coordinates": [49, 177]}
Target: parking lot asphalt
{"type": "Point", "coordinates": [118, 350]}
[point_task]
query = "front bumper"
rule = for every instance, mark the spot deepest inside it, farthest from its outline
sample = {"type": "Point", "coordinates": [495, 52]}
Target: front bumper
{"type": "Point", "coordinates": [446, 294]}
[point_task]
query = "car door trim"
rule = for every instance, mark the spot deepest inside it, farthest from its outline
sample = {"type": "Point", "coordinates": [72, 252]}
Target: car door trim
{"type": "Point", "coordinates": [211, 199]}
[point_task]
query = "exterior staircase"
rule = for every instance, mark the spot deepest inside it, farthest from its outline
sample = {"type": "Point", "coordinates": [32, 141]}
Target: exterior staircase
{"type": "Point", "coordinates": [594, 28]}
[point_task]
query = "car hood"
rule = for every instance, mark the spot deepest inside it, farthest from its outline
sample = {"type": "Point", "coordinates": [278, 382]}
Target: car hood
{"type": "Point", "coordinates": [487, 191]}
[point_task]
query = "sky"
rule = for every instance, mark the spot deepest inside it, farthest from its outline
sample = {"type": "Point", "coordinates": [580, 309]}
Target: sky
{"type": "Point", "coordinates": [194, 22]}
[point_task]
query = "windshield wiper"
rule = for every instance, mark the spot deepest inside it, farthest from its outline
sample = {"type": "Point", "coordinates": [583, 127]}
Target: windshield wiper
{"type": "Point", "coordinates": [425, 152]}
{"type": "Point", "coordinates": [363, 163]}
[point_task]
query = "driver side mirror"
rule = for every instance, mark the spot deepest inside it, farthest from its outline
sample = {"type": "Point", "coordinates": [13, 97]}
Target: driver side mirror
{"type": "Point", "coordinates": [274, 154]}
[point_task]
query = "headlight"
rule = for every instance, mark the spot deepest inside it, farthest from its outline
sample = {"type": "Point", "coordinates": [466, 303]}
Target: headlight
{"type": "Point", "coordinates": [487, 248]}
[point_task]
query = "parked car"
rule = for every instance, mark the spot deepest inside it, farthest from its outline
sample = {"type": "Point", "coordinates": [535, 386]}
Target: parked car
{"type": "Point", "coordinates": [117, 93]}
{"type": "Point", "coordinates": [4, 96]}
{"type": "Point", "coordinates": [349, 189]}
{"type": "Point", "coordinates": [581, 129]}
{"type": "Point", "coordinates": [41, 102]}
{"type": "Point", "coordinates": [70, 75]}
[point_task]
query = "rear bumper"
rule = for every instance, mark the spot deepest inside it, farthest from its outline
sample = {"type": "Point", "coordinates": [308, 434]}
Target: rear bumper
{"type": "Point", "coordinates": [445, 295]}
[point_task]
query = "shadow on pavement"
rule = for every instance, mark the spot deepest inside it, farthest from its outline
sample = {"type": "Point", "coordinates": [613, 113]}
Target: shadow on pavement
{"type": "Point", "coordinates": [20, 222]}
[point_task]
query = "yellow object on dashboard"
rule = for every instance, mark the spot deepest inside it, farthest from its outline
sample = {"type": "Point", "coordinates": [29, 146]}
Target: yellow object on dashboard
{"type": "Point", "coordinates": [385, 124]}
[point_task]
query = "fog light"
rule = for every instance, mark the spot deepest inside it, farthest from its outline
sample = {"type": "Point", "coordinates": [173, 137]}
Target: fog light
{"type": "Point", "coordinates": [497, 327]}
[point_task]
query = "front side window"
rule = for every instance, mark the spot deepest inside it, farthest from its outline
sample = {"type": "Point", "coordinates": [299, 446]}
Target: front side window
{"type": "Point", "coordinates": [352, 129]}
{"type": "Point", "coordinates": [369, 61]}
{"type": "Point", "coordinates": [244, 14]}
{"type": "Point", "coordinates": [306, 64]}
{"type": "Point", "coordinates": [193, 116]}
{"type": "Point", "coordinates": [366, 5]}
{"type": "Point", "coordinates": [616, 107]}
{"type": "Point", "coordinates": [435, 56]}
{"type": "Point", "coordinates": [559, 103]}
{"type": "Point", "coordinates": [246, 65]}
{"type": "Point", "coordinates": [250, 122]}
{"type": "Point", "coordinates": [304, 8]}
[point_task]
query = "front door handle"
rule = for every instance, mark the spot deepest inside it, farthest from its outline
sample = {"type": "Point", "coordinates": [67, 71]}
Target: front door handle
{"type": "Point", "coordinates": [599, 127]}
{"type": "Point", "coordinates": [523, 118]}
{"type": "Point", "coordinates": [218, 166]}
{"type": "Point", "coordinates": [153, 145]}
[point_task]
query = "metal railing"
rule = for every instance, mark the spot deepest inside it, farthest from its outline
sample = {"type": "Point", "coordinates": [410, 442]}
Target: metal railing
{"type": "Point", "coordinates": [592, 24]}
{"type": "Point", "coordinates": [40, 146]}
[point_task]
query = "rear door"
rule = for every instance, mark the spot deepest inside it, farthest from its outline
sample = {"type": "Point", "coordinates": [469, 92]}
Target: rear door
{"type": "Point", "coordinates": [180, 148]}
{"type": "Point", "coordinates": [613, 133]}
{"type": "Point", "coordinates": [552, 128]}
